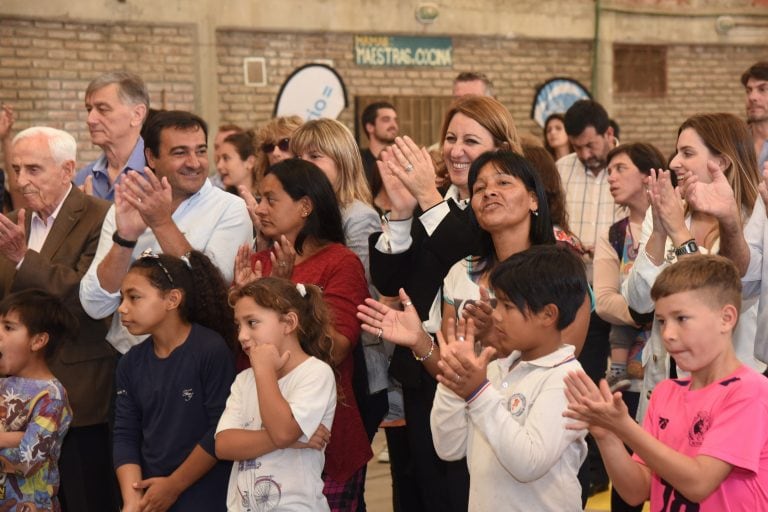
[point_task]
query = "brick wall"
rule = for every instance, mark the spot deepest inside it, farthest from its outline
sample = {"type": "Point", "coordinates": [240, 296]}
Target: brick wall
{"type": "Point", "coordinates": [701, 78]}
{"type": "Point", "coordinates": [46, 65]}
{"type": "Point", "coordinates": [515, 66]}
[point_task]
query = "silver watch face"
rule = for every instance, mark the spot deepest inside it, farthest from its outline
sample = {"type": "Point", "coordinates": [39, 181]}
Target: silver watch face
{"type": "Point", "coordinates": [689, 247]}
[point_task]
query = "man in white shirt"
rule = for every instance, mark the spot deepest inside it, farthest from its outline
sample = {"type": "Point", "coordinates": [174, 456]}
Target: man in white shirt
{"type": "Point", "coordinates": [173, 209]}
{"type": "Point", "coordinates": [49, 245]}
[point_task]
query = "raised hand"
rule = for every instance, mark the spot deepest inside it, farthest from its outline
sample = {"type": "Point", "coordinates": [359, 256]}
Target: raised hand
{"type": "Point", "coordinates": [283, 257]}
{"type": "Point", "coordinates": [244, 272]}
{"type": "Point", "coordinates": [480, 312]}
{"type": "Point", "coordinates": [763, 186]}
{"type": "Point", "coordinates": [251, 204]}
{"type": "Point", "coordinates": [667, 206]}
{"type": "Point", "coordinates": [414, 168]}
{"type": "Point", "coordinates": [152, 198]}
{"type": "Point", "coordinates": [13, 237]}
{"type": "Point", "coordinates": [715, 198]}
{"type": "Point", "coordinates": [593, 407]}
{"type": "Point", "coordinates": [7, 118]}
{"type": "Point", "coordinates": [403, 202]}
{"type": "Point", "coordinates": [399, 327]}
{"type": "Point", "coordinates": [128, 221]}
{"type": "Point", "coordinates": [462, 371]}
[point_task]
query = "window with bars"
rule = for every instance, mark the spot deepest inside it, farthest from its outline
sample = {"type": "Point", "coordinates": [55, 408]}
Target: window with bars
{"type": "Point", "coordinates": [640, 69]}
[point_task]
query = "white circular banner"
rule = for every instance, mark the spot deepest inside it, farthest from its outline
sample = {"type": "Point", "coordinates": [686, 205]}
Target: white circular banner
{"type": "Point", "coordinates": [311, 92]}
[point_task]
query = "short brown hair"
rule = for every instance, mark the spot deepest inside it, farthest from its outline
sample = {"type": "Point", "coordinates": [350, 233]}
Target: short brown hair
{"type": "Point", "coordinates": [758, 70]}
{"type": "Point", "coordinates": [715, 277]}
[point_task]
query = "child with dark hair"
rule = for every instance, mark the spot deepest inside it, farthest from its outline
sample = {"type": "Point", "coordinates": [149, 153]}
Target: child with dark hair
{"type": "Point", "coordinates": [505, 415]}
{"type": "Point", "coordinates": [172, 387]}
{"type": "Point", "coordinates": [34, 411]}
{"type": "Point", "coordinates": [703, 445]}
{"type": "Point", "coordinates": [286, 397]}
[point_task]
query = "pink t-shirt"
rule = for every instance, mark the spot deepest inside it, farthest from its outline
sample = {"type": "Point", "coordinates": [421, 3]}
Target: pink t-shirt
{"type": "Point", "coordinates": [727, 420]}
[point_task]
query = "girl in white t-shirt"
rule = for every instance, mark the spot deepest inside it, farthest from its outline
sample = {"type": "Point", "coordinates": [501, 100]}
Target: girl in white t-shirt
{"type": "Point", "coordinates": [279, 412]}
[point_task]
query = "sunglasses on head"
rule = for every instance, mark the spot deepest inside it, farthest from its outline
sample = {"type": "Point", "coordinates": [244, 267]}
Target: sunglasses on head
{"type": "Point", "coordinates": [282, 144]}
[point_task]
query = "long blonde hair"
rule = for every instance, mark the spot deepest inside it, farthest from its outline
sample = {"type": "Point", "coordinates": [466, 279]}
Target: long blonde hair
{"type": "Point", "coordinates": [333, 139]}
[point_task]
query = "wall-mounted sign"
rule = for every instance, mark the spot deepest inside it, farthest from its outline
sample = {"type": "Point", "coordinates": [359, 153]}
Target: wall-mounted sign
{"type": "Point", "coordinates": [403, 51]}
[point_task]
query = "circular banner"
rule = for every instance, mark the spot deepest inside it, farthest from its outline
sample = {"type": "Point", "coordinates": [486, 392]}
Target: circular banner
{"type": "Point", "coordinates": [311, 92]}
{"type": "Point", "coordinates": [556, 96]}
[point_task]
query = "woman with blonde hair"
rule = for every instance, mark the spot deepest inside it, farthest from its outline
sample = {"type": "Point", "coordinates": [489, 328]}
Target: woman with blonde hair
{"type": "Point", "coordinates": [330, 145]}
{"type": "Point", "coordinates": [707, 145]}
{"type": "Point", "coordinates": [428, 231]}
{"type": "Point", "coordinates": [274, 139]}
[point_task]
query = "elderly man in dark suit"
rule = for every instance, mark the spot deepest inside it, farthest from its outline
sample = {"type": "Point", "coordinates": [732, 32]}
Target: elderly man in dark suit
{"type": "Point", "coordinates": [50, 245]}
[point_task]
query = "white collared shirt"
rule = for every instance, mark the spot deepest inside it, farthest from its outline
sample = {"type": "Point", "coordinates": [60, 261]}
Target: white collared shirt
{"type": "Point", "coordinates": [520, 455]}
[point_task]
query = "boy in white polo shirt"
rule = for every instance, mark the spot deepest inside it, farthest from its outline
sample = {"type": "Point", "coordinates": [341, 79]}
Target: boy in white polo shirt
{"type": "Point", "coordinates": [505, 416]}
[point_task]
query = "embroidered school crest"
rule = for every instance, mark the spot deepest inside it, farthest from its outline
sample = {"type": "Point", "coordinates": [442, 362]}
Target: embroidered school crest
{"type": "Point", "coordinates": [516, 404]}
{"type": "Point", "coordinates": [699, 427]}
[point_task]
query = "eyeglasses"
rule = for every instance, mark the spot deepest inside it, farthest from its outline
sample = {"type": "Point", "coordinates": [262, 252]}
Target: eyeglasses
{"type": "Point", "coordinates": [283, 144]}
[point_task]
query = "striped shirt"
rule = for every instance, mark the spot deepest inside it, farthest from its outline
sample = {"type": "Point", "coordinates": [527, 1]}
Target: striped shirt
{"type": "Point", "coordinates": [591, 209]}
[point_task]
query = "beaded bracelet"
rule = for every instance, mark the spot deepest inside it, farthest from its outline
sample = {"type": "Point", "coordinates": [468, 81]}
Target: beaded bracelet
{"type": "Point", "coordinates": [431, 349]}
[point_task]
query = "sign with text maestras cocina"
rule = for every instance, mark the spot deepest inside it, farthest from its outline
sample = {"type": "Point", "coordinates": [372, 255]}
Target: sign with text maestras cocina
{"type": "Point", "coordinates": [388, 51]}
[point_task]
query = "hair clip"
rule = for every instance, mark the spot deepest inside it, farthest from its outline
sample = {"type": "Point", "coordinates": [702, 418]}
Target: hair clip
{"type": "Point", "coordinates": [150, 254]}
{"type": "Point", "coordinates": [185, 258]}
{"type": "Point", "coordinates": [301, 289]}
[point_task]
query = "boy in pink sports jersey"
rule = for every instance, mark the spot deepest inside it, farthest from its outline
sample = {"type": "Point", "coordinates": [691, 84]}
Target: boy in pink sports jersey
{"type": "Point", "coordinates": [703, 445]}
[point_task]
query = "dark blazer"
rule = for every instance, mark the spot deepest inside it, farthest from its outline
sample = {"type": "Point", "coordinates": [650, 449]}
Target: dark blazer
{"type": "Point", "coordinates": [420, 270]}
{"type": "Point", "coordinates": [86, 365]}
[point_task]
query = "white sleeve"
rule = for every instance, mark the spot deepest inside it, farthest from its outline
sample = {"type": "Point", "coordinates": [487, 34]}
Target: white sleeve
{"type": "Point", "coordinates": [449, 425]}
{"type": "Point", "coordinates": [233, 229]}
{"type": "Point", "coordinates": [96, 301]}
{"type": "Point", "coordinates": [395, 237]}
{"type": "Point", "coordinates": [636, 288]}
{"type": "Point", "coordinates": [754, 234]}
{"type": "Point", "coordinates": [530, 449]}
{"type": "Point", "coordinates": [311, 397]}
{"type": "Point", "coordinates": [432, 218]}
{"type": "Point", "coordinates": [232, 417]}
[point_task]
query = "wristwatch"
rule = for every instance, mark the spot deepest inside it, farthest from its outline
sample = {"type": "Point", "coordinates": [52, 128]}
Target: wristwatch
{"type": "Point", "coordinates": [689, 247]}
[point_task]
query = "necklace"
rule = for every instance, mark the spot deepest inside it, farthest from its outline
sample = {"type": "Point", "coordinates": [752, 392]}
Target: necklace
{"type": "Point", "coordinates": [632, 247]}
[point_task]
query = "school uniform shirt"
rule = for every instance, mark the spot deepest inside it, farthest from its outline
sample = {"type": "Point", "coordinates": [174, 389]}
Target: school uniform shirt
{"type": "Point", "coordinates": [727, 420]}
{"type": "Point", "coordinates": [519, 453]}
{"type": "Point", "coordinates": [285, 479]}
{"type": "Point", "coordinates": [165, 407]}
